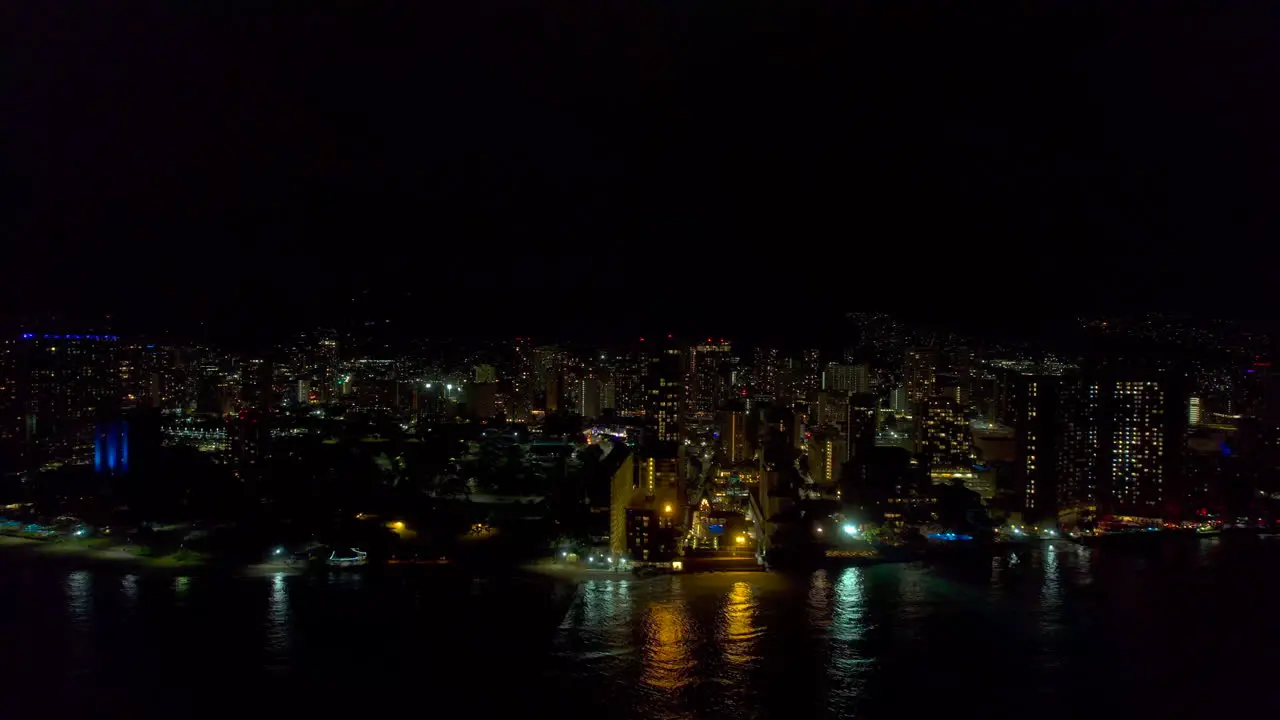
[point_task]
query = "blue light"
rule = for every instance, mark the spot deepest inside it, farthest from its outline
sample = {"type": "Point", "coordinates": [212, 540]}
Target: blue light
{"type": "Point", "coordinates": [111, 448]}
{"type": "Point", "coordinates": [949, 536]}
{"type": "Point", "coordinates": [27, 336]}
{"type": "Point", "coordinates": [73, 337]}
{"type": "Point", "coordinates": [124, 447]}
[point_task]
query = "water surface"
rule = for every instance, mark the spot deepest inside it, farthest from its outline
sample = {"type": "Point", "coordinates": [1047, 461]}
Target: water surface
{"type": "Point", "coordinates": [1051, 632]}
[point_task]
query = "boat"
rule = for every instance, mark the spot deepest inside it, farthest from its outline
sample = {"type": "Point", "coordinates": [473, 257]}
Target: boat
{"type": "Point", "coordinates": [352, 557]}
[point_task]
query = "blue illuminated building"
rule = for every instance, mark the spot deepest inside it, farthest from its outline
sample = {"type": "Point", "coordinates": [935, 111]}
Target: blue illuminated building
{"type": "Point", "coordinates": [48, 336]}
{"type": "Point", "coordinates": [111, 447]}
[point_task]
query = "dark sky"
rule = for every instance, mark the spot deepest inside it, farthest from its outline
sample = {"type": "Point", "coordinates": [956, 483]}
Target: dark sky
{"type": "Point", "coordinates": [546, 166]}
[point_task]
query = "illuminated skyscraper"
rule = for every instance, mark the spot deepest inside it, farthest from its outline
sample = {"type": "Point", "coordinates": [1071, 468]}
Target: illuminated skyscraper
{"type": "Point", "coordinates": [827, 453]}
{"type": "Point", "coordinates": [58, 388]}
{"type": "Point", "coordinates": [944, 433]}
{"type": "Point", "coordinates": [485, 374]}
{"type": "Point", "coordinates": [1142, 453]}
{"type": "Point", "coordinates": [590, 396]}
{"type": "Point", "coordinates": [1125, 436]}
{"type": "Point", "coordinates": [665, 392]}
{"type": "Point", "coordinates": [734, 437]}
{"type": "Point", "coordinates": [708, 366]}
{"type": "Point", "coordinates": [1037, 419]}
{"type": "Point", "coordinates": [920, 370]}
{"type": "Point", "coordinates": [847, 378]}
{"type": "Point", "coordinates": [766, 371]}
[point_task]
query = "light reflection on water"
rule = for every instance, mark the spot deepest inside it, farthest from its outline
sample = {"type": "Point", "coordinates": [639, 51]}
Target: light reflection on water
{"type": "Point", "coordinates": [667, 641]}
{"type": "Point", "coordinates": [129, 588]}
{"type": "Point", "coordinates": [279, 626]}
{"type": "Point", "coordinates": [80, 597]}
{"type": "Point", "coordinates": [739, 636]}
{"type": "Point", "coordinates": [842, 642]}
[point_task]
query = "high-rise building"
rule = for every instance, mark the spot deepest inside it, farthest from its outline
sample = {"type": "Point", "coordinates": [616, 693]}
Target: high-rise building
{"type": "Point", "coordinates": [249, 442]}
{"type": "Point", "coordinates": [666, 393]}
{"type": "Point", "coordinates": [646, 506]}
{"type": "Point", "coordinates": [590, 396]}
{"type": "Point", "coordinates": [847, 378]}
{"type": "Point", "coordinates": [708, 366]}
{"type": "Point", "coordinates": [766, 371]}
{"type": "Point", "coordinates": [328, 367]}
{"type": "Point", "coordinates": [486, 374]}
{"type": "Point", "coordinates": [482, 400]}
{"type": "Point", "coordinates": [812, 373]}
{"type": "Point", "coordinates": [522, 380]}
{"type": "Point", "coordinates": [827, 453]}
{"type": "Point", "coordinates": [1142, 456]}
{"type": "Point", "coordinates": [1037, 418]}
{"type": "Point", "coordinates": [630, 373]}
{"type": "Point", "coordinates": [898, 400]}
{"type": "Point", "coordinates": [945, 439]}
{"type": "Point", "coordinates": [546, 367]}
{"type": "Point", "coordinates": [920, 370]}
{"type": "Point", "coordinates": [1125, 433]}
{"type": "Point", "coordinates": [830, 408]}
{"type": "Point", "coordinates": [58, 388]}
{"type": "Point", "coordinates": [734, 436]}
{"type": "Point", "coordinates": [256, 390]}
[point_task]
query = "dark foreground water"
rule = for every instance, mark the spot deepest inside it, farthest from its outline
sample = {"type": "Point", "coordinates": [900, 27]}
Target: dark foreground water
{"type": "Point", "coordinates": [1039, 633]}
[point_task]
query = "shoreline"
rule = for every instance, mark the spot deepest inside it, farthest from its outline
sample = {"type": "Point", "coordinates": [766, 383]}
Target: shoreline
{"type": "Point", "coordinates": [74, 554]}
{"type": "Point", "coordinates": [552, 569]}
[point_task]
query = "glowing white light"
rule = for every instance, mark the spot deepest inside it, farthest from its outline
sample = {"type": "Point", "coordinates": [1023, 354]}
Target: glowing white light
{"type": "Point", "coordinates": [850, 529]}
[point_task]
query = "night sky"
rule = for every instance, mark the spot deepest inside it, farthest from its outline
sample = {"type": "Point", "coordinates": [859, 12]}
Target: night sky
{"type": "Point", "coordinates": [554, 167]}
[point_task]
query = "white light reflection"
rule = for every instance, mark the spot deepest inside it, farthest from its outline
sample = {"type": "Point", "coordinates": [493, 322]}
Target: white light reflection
{"type": "Point", "coordinates": [820, 600]}
{"type": "Point", "coordinates": [847, 665]}
{"type": "Point", "coordinates": [847, 621]}
{"type": "Point", "coordinates": [79, 586]}
{"type": "Point", "coordinates": [278, 623]}
{"type": "Point", "coordinates": [129, 586]}
{"type": "Point", "coordinates": [1051, 585]}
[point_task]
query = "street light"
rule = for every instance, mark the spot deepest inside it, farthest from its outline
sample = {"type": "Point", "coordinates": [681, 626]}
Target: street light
{"type": "Point", "coordinates": [667, 508]}
{"type": "Point", "coordinates": [741, 539]}
{"type": "Point", "coordinates": [850, 530]}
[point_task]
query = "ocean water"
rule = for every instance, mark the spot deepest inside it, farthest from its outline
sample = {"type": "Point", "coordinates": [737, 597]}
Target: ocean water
{"type": "Point", "coordinates": [1051, 631]}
